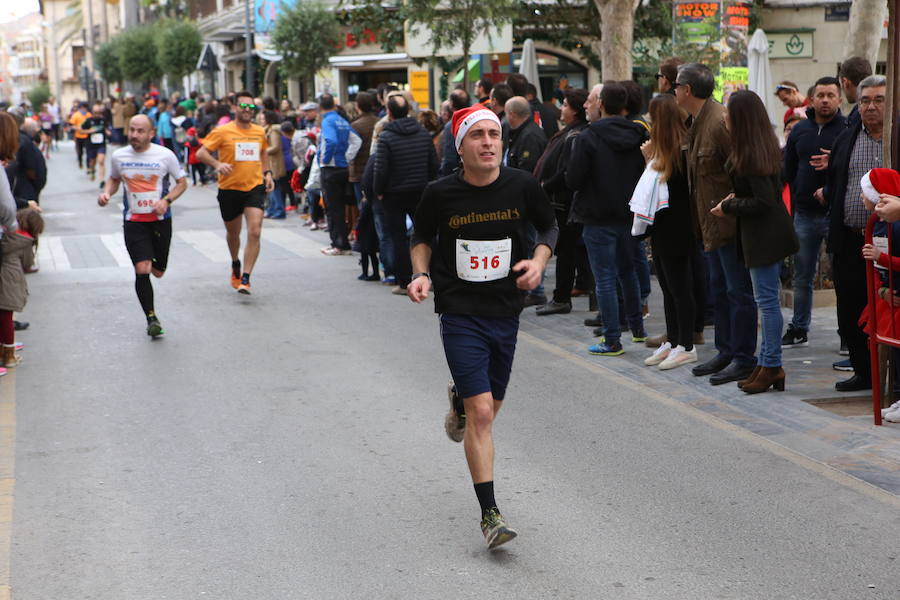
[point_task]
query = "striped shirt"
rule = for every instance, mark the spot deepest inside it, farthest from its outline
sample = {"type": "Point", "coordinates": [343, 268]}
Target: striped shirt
{"type": "Point", "coordinates": [867, 154]}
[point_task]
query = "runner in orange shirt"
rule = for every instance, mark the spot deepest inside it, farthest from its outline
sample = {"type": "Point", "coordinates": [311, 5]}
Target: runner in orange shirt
{"type": "Point", "coordinates": [243, 167]}
{"type": "Point", "coordinates": [81, 136]}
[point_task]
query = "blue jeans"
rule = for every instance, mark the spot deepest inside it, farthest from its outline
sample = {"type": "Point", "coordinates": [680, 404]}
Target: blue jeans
{"type": "Point", "coordinates": [765, 291]}
{"type": "Point", "coordinates": [385, 245]}
{"type": "Point", "coordinates": [609, 249]}
{"type": "Point", "coordinates": [275, 207]}
{"type": "Point", "coordinates": [811, 231]}
{"type": "Point", "coordinates": [642, 269]}
{"type": "Point", "coordinates": [735, 312]}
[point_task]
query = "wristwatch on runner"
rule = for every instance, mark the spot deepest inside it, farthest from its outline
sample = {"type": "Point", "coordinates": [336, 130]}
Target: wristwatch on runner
{"type": "Point", "coordinates": [417, 275]}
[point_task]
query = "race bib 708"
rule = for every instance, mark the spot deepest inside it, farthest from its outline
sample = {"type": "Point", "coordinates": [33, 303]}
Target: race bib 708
{"type": "Point", "coordinates": [246, 151]}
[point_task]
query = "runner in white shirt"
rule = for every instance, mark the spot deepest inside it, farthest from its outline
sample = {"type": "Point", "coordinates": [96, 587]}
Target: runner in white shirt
{"type": "Point", "coordinates": [145, 169]}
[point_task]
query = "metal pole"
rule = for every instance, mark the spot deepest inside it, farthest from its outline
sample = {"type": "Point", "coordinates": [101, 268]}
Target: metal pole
{"type": "Point", "coordinates": [89, 47]}
{"type": "Point", "coordinates": [892, 124]}
{"type": "Point", "coordinates": [248, 67]}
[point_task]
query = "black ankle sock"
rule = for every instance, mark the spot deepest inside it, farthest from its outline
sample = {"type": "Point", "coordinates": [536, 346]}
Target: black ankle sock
{"type": "Point", "coordinates": [144, 290]}
{"type": "Point", "coordinates": [245, 278]}
{"type": "Point", "coordinates": [236, 267]}
{"type": "Point", "coordinates": [485, 493]}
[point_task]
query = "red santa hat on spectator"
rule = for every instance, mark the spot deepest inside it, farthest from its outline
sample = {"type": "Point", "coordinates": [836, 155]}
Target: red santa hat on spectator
{"type": "Point", "coordinates": [464, 119]}
{"type": "Point", "coordinates": [880, 181]}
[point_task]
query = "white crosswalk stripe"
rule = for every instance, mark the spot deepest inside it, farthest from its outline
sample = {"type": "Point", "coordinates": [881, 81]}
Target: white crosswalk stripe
{"type": "Point", "coordinates": [53, 254]}
{"type": "Point", "coordinates": [292, 242]}
{"type": "Point", "coordinates": [115, 243]}
{"type": "Point", "coordinates": [206, 243]}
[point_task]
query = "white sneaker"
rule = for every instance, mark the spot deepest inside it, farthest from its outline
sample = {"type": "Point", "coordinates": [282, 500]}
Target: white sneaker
{"type": "Point", "coordinates": [891, 408]}
{"type": "Point", "coordinates": [659, 355]}
{"type": "Point", "coordinates": [677, 357]}
{"type": "Point", "coordinates": [892, 416]}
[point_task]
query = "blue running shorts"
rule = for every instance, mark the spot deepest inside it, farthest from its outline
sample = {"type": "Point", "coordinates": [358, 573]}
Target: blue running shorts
{"type": "Point", "coordinates": [479, 352]}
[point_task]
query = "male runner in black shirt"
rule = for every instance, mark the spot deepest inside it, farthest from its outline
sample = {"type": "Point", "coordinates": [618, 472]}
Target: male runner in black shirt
{"type": "Point", "coordinates": [478, 221]}
{"type": "Point", "coordinates": [96, 126]}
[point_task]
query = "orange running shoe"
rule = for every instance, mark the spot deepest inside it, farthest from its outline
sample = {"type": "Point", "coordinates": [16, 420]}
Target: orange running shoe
{"type": "Point", "coordinates": [244, 288]}
{"type": "Point", "coordinates": [235, 280]}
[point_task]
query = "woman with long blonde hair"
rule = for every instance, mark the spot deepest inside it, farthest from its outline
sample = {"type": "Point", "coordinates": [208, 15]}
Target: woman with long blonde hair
{"type": "Point", "coordinates": [673, 235]}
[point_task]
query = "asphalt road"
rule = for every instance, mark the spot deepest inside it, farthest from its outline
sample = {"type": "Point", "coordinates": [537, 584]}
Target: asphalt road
{"type": "Point", "coordinates": [290, 445]}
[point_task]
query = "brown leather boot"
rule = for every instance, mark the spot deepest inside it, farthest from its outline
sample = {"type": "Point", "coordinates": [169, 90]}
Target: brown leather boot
{"type": "Point", "coordinates": [9, 358]}
{"type": "Point", "coordinates": [750, 379]}
{"type": "Point", "coordinates": [768, 377]}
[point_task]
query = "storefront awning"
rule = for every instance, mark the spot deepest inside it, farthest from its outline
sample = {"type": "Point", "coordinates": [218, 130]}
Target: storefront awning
{"type": "Point", "coordinates": [358, 60]}
{"type": "Point", "coordinates": [474, 71]}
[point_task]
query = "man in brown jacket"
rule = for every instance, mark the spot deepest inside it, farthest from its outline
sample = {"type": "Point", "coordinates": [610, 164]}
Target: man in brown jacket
{"type": "Point", "coordinates": [730, 286]}
{"type": "Point", "coordinates": [363, 125]}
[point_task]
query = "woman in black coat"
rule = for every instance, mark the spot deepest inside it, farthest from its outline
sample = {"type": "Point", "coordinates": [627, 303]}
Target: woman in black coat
{"type": "Point", "coordinates": [765, 232]}
{"type": "Point", "coordinates": [673, 235]}
{"type": "Point", "coordinates": [551, 172]}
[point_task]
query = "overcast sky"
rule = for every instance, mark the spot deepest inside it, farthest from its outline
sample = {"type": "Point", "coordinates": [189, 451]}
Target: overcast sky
{"type": "Point", "coordinates": [12, 10]}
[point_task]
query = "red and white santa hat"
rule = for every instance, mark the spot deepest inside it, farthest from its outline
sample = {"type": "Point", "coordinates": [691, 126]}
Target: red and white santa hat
{"type": "Point", "coordinates": [464, 119]}
{"type": "Point", "coordinates": [880, 181]}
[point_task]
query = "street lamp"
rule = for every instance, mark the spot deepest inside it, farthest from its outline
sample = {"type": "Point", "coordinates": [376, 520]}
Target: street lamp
{"type": "Point", "coordinates": [248, 67]}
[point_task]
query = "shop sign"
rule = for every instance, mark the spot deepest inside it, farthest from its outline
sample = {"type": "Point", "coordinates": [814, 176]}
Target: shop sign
{"type": "Point", "coordinates": [790, 44]}
{"type": "Point", "coordinates": [418, 85]}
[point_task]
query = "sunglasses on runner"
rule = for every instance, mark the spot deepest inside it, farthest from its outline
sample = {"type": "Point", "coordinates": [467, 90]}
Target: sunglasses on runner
{"type": "Point", "coordinates": [246, 106]}
{"type": "Point", "coordinates": [660, 76]}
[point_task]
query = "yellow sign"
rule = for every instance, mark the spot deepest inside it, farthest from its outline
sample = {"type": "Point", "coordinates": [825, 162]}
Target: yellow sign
{"type": "Point", "coordinates": [418, 85]}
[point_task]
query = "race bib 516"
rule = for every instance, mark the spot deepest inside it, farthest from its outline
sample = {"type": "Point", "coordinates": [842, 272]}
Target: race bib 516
{"type": "Point", "coordinates": [483, 260]}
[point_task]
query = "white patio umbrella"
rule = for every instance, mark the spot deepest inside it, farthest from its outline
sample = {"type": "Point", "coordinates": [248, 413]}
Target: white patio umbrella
{"type": "Point", "coordinates": [760, 74]}
{"type": "Point", "coordinates": [529, 66]}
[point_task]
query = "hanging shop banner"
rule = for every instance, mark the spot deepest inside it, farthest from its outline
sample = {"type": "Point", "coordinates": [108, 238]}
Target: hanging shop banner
{"type": "Point", "coordinates": [729, 80]}
{"type": "Point", "coordinates": [735, 34]}
{"type": "Point", "coordinates": [697, 22]}
{"type": "Point", "coordinates": [265, 12]}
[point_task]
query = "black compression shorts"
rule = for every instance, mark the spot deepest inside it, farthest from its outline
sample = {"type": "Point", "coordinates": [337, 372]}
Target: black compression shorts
{"type": "Point", "coordinates": [233, 202]}
{"type": "Point", "coordinates": [149, 241]}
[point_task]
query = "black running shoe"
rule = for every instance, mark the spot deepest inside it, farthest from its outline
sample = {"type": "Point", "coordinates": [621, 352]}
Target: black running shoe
{"type": "Point", "coordinates": [794, 338]}
{"type": "Point", "coordinates": [154, 327]}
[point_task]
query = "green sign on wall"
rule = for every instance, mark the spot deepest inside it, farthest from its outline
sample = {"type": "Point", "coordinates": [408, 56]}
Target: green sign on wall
{"type": "Point", "coordinates": [790, 44]}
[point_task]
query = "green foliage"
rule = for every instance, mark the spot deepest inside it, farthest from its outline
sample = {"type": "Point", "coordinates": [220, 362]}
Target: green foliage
{"type": "Point", "coordinates": [569, 24]}
{"type": "Point", "coordinates": [167, 9]}
{"type": "Point", "coordinates": [106, 59]}
{"type": "Point", "coordinates": [139, 55]}
{"type": "Point", "coordinates": [180, 45]}
{"type": "Point", "coordinates": [305, 35]}
{"type": "Point", "coordinates": [459, 22]}
{"type": "Point", "coordinates": [38, 95]}
{"type": "Point", "coordinates": [365, 18]}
